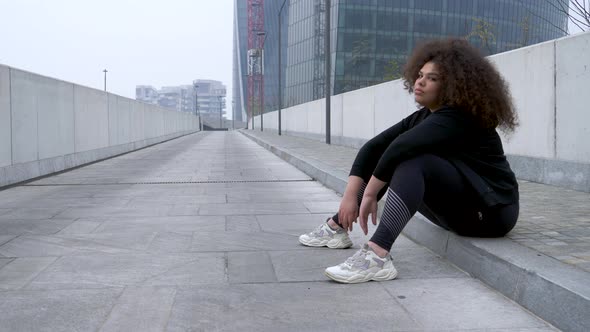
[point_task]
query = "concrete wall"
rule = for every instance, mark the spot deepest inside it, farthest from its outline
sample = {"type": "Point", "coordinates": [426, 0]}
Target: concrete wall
{"type": "Point", "coordinates": [550, 83]}
{"type": "Point", "coordinates": [5, 119]}
{"type": "Point", "coordinates": [48, 125]}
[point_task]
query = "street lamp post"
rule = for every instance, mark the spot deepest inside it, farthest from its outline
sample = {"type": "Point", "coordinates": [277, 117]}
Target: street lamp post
{"type": "Point", "coordinates": [105, 79]}
{"type": "Point", "coordinates": [196, 86]}
{"type": "Point", "coordinates": [220, 113]}
{"type": "Point", "coordinates": [328, 65]}
{"type": "Point", "coordinates": [261, 33]}
{"type": "Point", "coordinates": [280, 99]}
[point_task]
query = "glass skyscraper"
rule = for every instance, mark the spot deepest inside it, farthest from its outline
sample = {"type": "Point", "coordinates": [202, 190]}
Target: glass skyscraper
{"type": "Point", "coordinates": [371, 39]}
{"type": "Point", "coordinates": [240, 50]}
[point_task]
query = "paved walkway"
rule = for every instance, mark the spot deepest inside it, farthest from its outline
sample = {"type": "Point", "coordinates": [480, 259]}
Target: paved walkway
{"type": "Point", "coordinates": [200, 233]}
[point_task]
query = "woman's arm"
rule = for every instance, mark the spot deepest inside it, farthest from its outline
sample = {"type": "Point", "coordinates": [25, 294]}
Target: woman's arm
{"type": "Point", "coordinates": [444, 131]}
{"type": "Point", "coordinates": [369, 203]}
{"type": "Point", "coordinates": [370, 153]}
{"type": "Point", "coordinates": [349, 206]}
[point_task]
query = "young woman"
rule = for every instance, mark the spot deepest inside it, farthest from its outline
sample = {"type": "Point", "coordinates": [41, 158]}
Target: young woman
{"type": "Point", "coordinates": [445, 161]}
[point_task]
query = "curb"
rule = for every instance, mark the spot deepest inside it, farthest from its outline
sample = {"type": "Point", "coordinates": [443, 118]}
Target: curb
{"type": "Point", "coordinates": [554, 291]}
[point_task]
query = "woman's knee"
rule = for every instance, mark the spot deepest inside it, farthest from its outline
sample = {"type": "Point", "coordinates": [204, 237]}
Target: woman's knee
{"type": "Point", "coordinates": [417, 165]}
{"type": "Point", "coordinates": [421, 161]}
{"type": "Point", "coordinates": [506, 218]}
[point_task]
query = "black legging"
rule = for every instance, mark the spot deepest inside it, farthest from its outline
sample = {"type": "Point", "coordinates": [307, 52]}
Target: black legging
{"type": "Point", "coordinates": [432, 186]}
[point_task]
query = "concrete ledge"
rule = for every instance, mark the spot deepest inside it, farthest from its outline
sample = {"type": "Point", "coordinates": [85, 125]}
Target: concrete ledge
{"type": "Point", "coordinates": [336, 140]}
{"type": "Point", "coordinates": [561, 173]}
{"type": "Point", "coordinates": [10, 175]}
{"type": "Point", "coordinates": [555, 291]}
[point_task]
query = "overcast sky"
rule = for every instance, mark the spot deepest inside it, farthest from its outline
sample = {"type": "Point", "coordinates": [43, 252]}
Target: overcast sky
{"type": "Point", "coordinates": [151, 42]}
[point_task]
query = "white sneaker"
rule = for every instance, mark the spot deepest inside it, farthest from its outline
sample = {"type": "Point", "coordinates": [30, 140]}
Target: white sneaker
{"type": "Point", "coordinates": [363, 266]}
{"type": "Point", "coordinates": [324, 236]}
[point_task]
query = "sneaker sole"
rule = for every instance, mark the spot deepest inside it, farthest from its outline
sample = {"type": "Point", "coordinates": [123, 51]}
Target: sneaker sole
{"type": "Point", "coordinates": [313, 243]}
{"type": "Point", "coordinates": [338, 244]}
{"type": "Point", "coordinates": [330, 244]}
{"type": "Point", "coordinates": [382, 275]}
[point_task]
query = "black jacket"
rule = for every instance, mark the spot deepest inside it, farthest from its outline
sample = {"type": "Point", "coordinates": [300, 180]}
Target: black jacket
{"type": "Point", "coordinates": [453, 135]}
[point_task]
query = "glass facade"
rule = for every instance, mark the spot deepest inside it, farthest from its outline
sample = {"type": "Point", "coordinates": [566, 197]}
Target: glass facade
{"type": "Point", "coordinates": [305, 70]}
{"type": "Point", "coordinates": [371, 39]}
{"type": "Point", "coordinates": [376, 36]}
{"type": "Point", "coordinates": [240, 49]}
{"type": "Point", "coordinates": [272, 9]}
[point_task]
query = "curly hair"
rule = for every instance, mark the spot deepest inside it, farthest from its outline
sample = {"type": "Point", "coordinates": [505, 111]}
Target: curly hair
{"type": "Point", "coordinates": [469, 81]}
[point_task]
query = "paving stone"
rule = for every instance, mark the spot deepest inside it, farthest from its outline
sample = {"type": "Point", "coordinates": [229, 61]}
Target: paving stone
{"type": "Point", "coordinates": [19, 272]}
{"type": "Point", "coordinates": [106, 211]}
{"type": "Point", "coordinates": [307, 264]}
{"type": "Point", "coordinates": [36, 246]}
{"type": "Point", "coordinates": [238, 241]}
{"type": "Point", "coordinates": [81, 227]}
{"type": "Point", "coordinates": [30, 213]}
{"type": "Point", "coordinates": [322, 207]}
{"type": "Point", "coordinates": [424, 298]}
{"type": "Point", "coordinates": [184, 210]}
{"type": "Point", "coordinates": [250, 267]}
{"type": "Point", "coordinates": [77, 244]}
{"type": "Point", "coordinates": [243, 224]}
{"type": "Point", "coordinates": [180, 224]}
{"type": "Point", "coordinates": [59, 310]}
{"type": "Point", "coordinates": [178, 199]}
{"type": "Point", "coordinates": [418, 263]}
{"type": "Point", "coordinates": [52, 202]}
{"type": "Point", "coordinates": [99, 271]}
{"type": "Point", "coordinates": [6, 238]}
{"type": "Point", "coordinates": [294, 224]}
{"type": "Point", "coordinates": [141, 309]}
{"type": "Point", "coordinates": [251, 208]}
{"type": "Point", "coordinates": [171, 242]}
{"type": "Point", "coordinates": [247, 197]}
{"type": "Point", "coordinates": [303, 307]}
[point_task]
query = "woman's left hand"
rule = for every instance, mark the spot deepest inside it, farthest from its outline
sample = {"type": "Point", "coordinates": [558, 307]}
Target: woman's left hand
{"type": "Point", "coordinates": [368, 207]}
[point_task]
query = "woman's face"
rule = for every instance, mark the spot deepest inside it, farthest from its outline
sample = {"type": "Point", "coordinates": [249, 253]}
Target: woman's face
{"type": "Point", "coordinates": [427, 86]}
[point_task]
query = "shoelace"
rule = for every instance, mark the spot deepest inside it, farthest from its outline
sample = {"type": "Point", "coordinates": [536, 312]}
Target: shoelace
{"type": "Point", "coordinates": [357, 259]}
{"type": "Point", "coordinates": [317, 230]}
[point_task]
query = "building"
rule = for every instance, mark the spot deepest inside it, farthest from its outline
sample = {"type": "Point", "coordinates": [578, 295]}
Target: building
{"type": "Point", "coordinates": [371, 39]}
{"type": "Point", "coordinates": [240, 39]}
{"type": "Point", "coordinates": [208, 94]}
{"type": "Point", "coordinates": [179, 98]}
{"type": "Point", "coordinates": [146, 93]}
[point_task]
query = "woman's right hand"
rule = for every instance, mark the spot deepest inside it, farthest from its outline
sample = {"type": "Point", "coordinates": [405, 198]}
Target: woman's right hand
{"type": "Point", "coordinates": [348, 212]}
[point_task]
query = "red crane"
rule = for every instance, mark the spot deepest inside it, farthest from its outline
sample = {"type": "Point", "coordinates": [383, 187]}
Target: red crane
{"type": "Point", "coordinates": [256, 36]}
